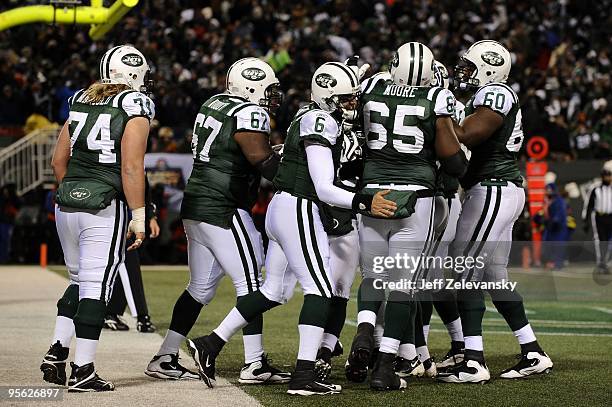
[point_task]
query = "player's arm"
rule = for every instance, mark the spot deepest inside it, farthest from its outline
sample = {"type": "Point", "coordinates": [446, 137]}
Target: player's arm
{"type": "Point", "coordinates": [478, 126]}
{"type": "Point", "coordinates": [321, 170]}
{"type": "Point", "coordinates": [256, 148]}
{"type": "Point", "coordinates": [448, 150]}
{"type": "Point", "coordinates": [586, 213]}
{"type": "Point", "coordinates": [133, 148]}
{"type": "Point", "coordinates": [253, 136]}
{"type": "Point", "coordinates": [492, 103]}
{"type": "Point", "coordinates": [61, 154]}
{"type": "Point", "coordinates": [319, 132]}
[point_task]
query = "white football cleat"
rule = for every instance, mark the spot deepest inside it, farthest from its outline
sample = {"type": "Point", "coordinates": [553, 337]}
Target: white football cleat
{"type": "Point", "coordinates": [531, 363]}
{"type": "Point", "coordinates": [430, 368]}
{"type": "Point", "coordinates": [469, 371]}
{"type": "Point", "coordinates": [168, 367]}
{"type": "Point", "coordinates": [261, 372]}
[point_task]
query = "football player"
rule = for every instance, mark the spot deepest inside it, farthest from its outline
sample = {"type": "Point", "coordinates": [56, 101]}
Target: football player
{"type": "Point", "coordinates": [231, 150]}
{"type": "Point", "coordinates": [492, 130]}
{"type": "Point", "coordinates": [298, 242]}
{"type": "Point", "coordinates": [99, 163]}
{"type": "Point", "coordinates": [408, 127]}
{"type": "Point", "coordinates": [448, 207]}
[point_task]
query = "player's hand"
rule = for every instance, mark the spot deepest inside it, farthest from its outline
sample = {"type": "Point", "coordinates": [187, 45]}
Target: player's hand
{"type": "Point", "coordinates": [140, 237]}
{"type": "Point", "coordinates": [382, 207]}
{"type": "Point", "coordinates": [137, 228]}
{"type": "Point", "coordinates": [154, 226]}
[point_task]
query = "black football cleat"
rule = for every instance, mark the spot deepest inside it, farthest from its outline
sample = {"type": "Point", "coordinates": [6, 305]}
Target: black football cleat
{"type": "Point", "coordinates": [115, 323]}
{"type": "Point", "coordinates": [145, 325]}
{"type": "Point", "coordinates": [304, 383]}
{"type": "Point", "coordinates": [356, 367]}
{"type": "Point", "coordinates": [84, 379]}
{"type": "Point", "coordinates": [54, 364]}
{"type": "Point", "coordinates": [383, 376]}
{"type": "Point", "coordinates": [204, 358]}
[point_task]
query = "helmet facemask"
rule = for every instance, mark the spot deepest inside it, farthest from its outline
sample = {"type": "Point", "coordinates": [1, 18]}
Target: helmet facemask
{"type": "Point", "coordinates": [273, 98]}
{"type": "Point", "coordinates": [148, 83]}
{"type": "Point", "coordinates": [465, 75]}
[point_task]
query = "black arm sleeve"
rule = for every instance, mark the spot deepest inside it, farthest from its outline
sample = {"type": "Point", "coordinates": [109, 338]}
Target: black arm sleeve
{"type": "Point", "coordinates": [455, 165]}
{"type": "Point", "coordinates": [269, 166]}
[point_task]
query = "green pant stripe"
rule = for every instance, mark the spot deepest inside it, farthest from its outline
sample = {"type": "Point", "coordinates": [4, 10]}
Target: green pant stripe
{"type": "Point", "coordinates": [245, 266]}
{"type": "Point", "coordinates": [302, 233]}
{"type": "Point", "coordinates": [315, 246]}
{"type": "Point", "coordinates": [249, 244]}
{"type": "Point", "coordinates": [485, 209]}
{"type": "Point", "coordinates": [111, 254]}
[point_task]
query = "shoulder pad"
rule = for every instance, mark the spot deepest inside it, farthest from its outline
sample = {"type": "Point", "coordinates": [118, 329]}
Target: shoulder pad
{"type": "Point", "coordinates": [252, 117]}
{"type": "Point", "coordinates": [319, 124]}
{"type": "Point", "coordinates": [496, 96]}
{"type": "Point", "coordinates": [135, 104]}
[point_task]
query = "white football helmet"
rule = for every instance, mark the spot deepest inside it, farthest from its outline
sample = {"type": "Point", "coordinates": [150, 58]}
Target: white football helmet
{"type": "Point", "coordinates": [484, 62]}
{"type": "Point", "coordinates": [333, 86]}
{"type": "Point", "coordinates": [412, 65]}
{"type": "Point", "coordinates": [126, 65]}
{"type": "Point", "coordinates": [440, 76]}
{"type": "Point", "coordinates": [254, 80]}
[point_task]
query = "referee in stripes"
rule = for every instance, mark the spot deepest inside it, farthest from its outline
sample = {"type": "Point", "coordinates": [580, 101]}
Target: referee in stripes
{"type": "Point", "coordinates": [598, 214]}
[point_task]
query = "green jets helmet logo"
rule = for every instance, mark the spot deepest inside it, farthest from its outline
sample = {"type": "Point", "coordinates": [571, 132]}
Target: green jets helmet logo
{"type": "Point", "coordinates": [325, 80]}
{"type": "Point", "coordinates": [253, 74]}
{"type": "Point", "coordinates": [492, 58]}
{"type": "Point", "coordinates": [80, 194]}
{"type": "Point", "coordinates": [395, 60]}
{"type": "Point", "coordinates": [132, 60]}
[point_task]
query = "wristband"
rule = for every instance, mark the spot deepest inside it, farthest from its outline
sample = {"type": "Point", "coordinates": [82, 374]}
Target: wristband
{"type": "Point", "coordinates": [137, 224]}
{"type": "Point", "coordinates": [362, 203]}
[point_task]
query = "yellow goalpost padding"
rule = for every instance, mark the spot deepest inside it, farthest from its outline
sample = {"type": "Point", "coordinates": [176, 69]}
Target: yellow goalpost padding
{"type": "Point", "coordinates": [101, 19]}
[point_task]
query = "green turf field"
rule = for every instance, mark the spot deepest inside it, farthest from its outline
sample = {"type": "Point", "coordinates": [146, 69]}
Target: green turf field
{"type": "Point", "coordinates": [575, 329]}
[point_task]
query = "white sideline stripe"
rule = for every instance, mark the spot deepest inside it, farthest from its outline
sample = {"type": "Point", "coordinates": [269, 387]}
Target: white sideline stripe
{"type": "Point", "coordinates": [562, 324]}
{"type": "Point", "coordinates": [350, 322]}
{"type": "Point", "coordinates": [602, 309]}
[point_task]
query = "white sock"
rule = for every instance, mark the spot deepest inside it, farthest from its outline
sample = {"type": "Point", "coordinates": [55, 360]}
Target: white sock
{"type": "Point", "coordinates": [85, 351]}
{"type": "Point", "coordinates": [366, 316]}
{"type": "Point", "coordinates": [474, 343]}
{"type": "Point", "coordinates": [525, 334]}
{"type": "Point", "coordinates": [233, 322]}
{"type": "Point", "coordinates": [171, 344]}
{"type": "Point", "coordinates": [407, 351]}
{"type": "Point", "coordinates": [329, 341]}
{"type": "Point", "coordinates": [455, 330]}
{"type": "Point", "coordinates": [423, 353]}
{"type": "Point", "coordinates": [426, 332]}
{"type": "Point", "coordinates": [64, 331]}
{"type": "Point", "coordinates": [389, 345]}
{"type": "Point", "coordinates": [253, 348]}
{"type": "Point", "coordinates": [310, 340]}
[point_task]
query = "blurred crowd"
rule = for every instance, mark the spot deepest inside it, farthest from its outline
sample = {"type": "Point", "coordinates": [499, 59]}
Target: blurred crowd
{"type": "Point", "coordinates": [560, 50]}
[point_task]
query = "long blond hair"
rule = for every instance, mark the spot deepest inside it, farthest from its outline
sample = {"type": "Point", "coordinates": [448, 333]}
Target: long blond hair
{"type": "Point", "coordinates": [99, 92]}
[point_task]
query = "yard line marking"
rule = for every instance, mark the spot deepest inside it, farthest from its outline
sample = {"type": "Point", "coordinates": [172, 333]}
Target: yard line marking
{"type": "Point", "coordinates": [559, 323]}
{"type": "Point", "coordinates": [350, 322]}
{"type": "Point", "coordinates": [491, 309]}
{"type": "Point", "coordinates": [602, 309]}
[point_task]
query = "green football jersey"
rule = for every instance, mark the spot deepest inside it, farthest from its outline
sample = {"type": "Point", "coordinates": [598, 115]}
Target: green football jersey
{"type": "Point", "coordinates": [309, 123]}
{"type": "Point", "coordinates": [96, 130]}
{"type": "Point", "coordinates": [496, 158]}
{"type": "Point", "coordinates": [222, 179]}
{"type": "Point", "coordinates": [399, 123]}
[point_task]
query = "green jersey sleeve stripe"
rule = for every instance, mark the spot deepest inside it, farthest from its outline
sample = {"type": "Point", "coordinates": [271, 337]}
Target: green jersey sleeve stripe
{"type": "Point", "coordinates": [118, 98]}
